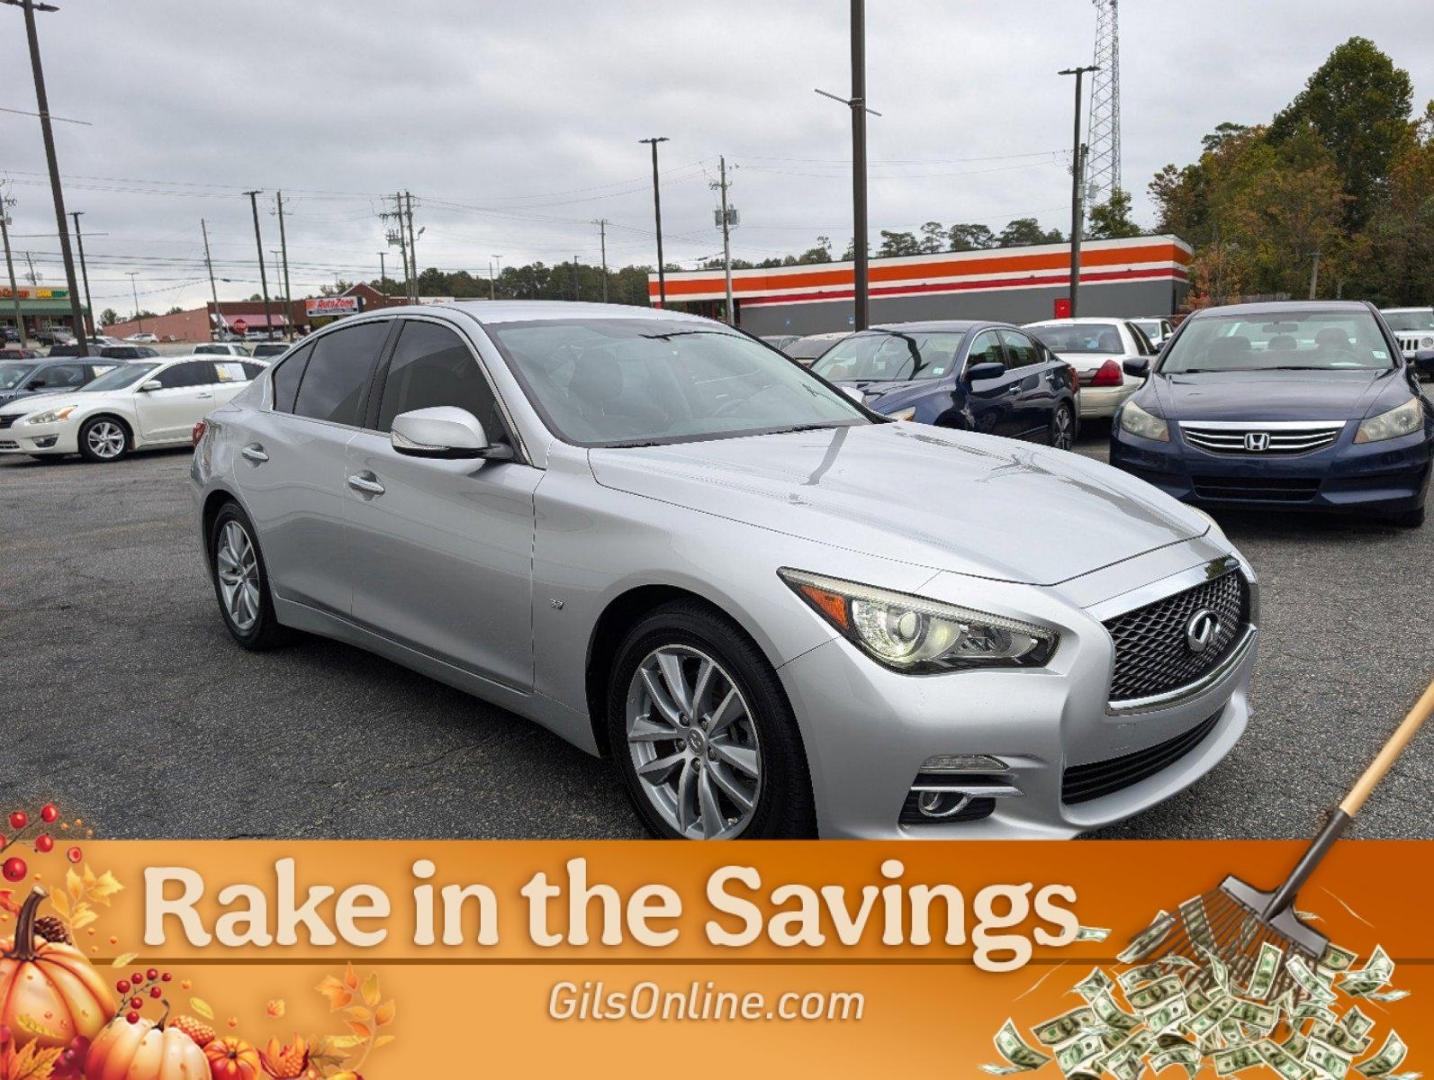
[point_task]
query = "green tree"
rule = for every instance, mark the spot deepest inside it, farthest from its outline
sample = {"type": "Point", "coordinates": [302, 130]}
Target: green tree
{"type": "Point", "coordinates": [1110, 220]}
{"type": "Point", "coordinates": [933, 238]}
{"type": "Point", "coordinates": [109, 316]}
{"type": "Point", "coordinates": [1357, 104]}
{"type": "Point", "coordinates": [970, 238]}
{"type": "Point", "coordinates": [898, 243]}
{"type": "Point", "coordinates": [821, 253]}
{"type": "Point", "coordinates": [1024, 231]}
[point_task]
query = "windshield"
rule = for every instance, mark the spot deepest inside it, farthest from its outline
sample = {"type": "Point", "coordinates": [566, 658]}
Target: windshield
{"type": "Point", "coordinates": [615, 382]}
{"type": "Point", "coordinates": [1410, 320]}
{"type": "Point", "coordinates": [809, 348]}
{"type": "Point", "coordinates": [120, 377]}
{"type": "Point", "coordinates": [1304, 341]}
{"type": "Point", "coordinates": [12, 374]}
{"type": "Point", "coordinates": [1092, 338]}
{"type": "Point", "coordinates": [890, 356]}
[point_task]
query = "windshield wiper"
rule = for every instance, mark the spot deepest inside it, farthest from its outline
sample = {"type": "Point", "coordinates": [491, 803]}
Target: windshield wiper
{"type": "Point", "coordinates": [803, 427]}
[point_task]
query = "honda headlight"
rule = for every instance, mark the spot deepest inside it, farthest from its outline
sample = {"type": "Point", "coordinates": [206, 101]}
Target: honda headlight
{"type": "Point", "coordinates": [1398, 421]}
{"type": "Point", "coordinates": [908, 413]}
{"type": "Point", "coordinates": [1137, 421]}
{"type": "Point", "coordinates": [52, 416]}
{"type": "Point", "coordinates": [918, 636]}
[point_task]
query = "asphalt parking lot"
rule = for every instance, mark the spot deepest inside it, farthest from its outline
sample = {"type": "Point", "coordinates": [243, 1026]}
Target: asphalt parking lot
{"type": "Point", "coordinates": [127, 701]}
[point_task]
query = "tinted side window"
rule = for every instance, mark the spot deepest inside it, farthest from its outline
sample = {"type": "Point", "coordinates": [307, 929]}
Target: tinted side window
{"type": "Point", "coordinates": [59, 375]}
{"type": "Point", "coordinates": [986, 349]}
{"type": "Point", "coordinates": [1142, 343]}
{"type": "Point", "coordinates": [252, 371]}
{"type": "Point", "coordinates": [287, 377]}
{"type": "Point", "coordinates": [1021, 351]}
{"type": "Point", "coordinates": [432, 366]}
{"type": "Point", "coordinates": [194, 373]}
{"type": "Point", "coordinates": [338, 373]}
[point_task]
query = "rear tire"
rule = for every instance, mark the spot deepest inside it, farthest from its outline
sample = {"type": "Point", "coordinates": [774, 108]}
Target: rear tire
{"type": "Point", "coordinates": [1063, 427]}
{"type": "Point", "coordinates": [103, 439]}
{"type": "Point", "coordinates": [241, 581]}
{"type": "Point", "coordinates": [720, 758]}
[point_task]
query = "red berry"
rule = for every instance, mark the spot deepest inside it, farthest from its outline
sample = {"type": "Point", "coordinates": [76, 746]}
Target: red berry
{"type": "Point", "coordinates": [166, 977]}
{"type": "Point", "coordinates": [152, 974]}
{"type": "Point", "coordinates": [14, 869]}
{"type": "Point", "coordinates": [137, 978]}
{"type": "Point", "coordinates": [44, 844]}
{"type": "Point", "coordinates": [136, 1003]}
{"type": "Point", "coordinates": [122, 986]}
{"type": "Point", "coordinates": [49, 812]}
{"type": "Point", "coordinates": [74, 854]}
{"type": "Point", "coordinates": [132, 1017]}
{"type": "Point", "coordinates": [19, 819]}
{"type": "Point", "coordinates": [155, 991]}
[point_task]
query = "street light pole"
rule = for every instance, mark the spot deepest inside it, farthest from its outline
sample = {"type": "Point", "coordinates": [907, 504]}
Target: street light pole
{"type": "Point", "coordinates": [213, 289]}
{"type": "Point", "coordinates": [657, 213]}
{"type": "Point", "coordinates": [76, 316]}
{"type": "Point", "coordinates": [84, 270]}
{"type": "Point", "coordinates": [134, 291]}
{"type": "Point", "coordinates": [493, 281]}
{"type": "Point", "coordinates": [1077, 177]}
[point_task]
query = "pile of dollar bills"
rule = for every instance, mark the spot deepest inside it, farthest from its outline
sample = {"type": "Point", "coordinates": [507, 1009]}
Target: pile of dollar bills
{"type": "Point", "coordinates": [1302, 1020]}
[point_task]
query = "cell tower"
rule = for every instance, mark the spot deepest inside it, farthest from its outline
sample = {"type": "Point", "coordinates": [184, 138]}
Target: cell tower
{"type": "Point", "coordinates": [1103, 176]}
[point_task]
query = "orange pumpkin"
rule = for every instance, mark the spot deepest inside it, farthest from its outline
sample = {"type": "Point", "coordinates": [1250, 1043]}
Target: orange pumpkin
{"type": "Point", "coordinates": [49, 993]}
{"type": "Point", "coordinates": [233, 1059]}
{"type": "Point", "coordinates": [144, 1051]}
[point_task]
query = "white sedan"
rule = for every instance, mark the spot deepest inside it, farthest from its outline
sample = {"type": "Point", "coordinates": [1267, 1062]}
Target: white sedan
{"type": "Point", "coordinates": [1096, 348]}
{"type": "Point", "coordinates": [137, 406]}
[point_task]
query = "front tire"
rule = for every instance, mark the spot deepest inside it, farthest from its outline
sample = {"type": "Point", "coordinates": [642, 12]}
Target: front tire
{"type": "Point", "coordinates": [241, 581]}
{"type": "Point", "coordinates": [103, 439]}
{"type": "Point", "coordinates": [702, 733]}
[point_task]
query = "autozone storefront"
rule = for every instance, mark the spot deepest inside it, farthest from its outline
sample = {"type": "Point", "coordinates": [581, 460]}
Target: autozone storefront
{"type": "Point", "coordinates": [322, 310]}
{"type": "Point", "coordinates": [1145, 275]}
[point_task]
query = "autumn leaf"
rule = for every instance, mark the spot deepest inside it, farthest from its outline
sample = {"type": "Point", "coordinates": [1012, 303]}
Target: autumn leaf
{"type": "Point", "coordinates": [384, 1014]}
{"type": "Point", "coordinates": [276, 1008]}
{"type": "Point", "coordinates": [359, 1013]}
{"type": "Point", "coordinates": [383, 1040]}
{"type": "Point", "coordinates": [371, 993]}
{"type": "Point", "coordinates": [74, 885]}
{"type": "Point", "coordinates": [351, 979]}
{"type": "Point", "coordinates": [32, 1062]}
{"type": "Point", "coordinates": [123, 960]}
{"type": "Point", "coordinates": [202, 1007]}
{"type": "Point", "coordinates": [363, 1031]}
{"type": "Point", "coordinates": [61, 903]}
{"type": "Point", "coordinates": [101, 889]}
{"type": "Point", "coordinates": [338, 994]}
{"type": "Point", "coordinates": [84, 915]}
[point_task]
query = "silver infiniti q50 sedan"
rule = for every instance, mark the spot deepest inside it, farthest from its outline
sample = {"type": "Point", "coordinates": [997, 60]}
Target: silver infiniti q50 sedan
{"type": "Point", "coordinates": [777, 613]}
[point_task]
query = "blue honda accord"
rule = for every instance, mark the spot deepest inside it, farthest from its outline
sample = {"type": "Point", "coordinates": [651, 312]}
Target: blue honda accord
{"type": "Point", "coordinates": [1305, 406]}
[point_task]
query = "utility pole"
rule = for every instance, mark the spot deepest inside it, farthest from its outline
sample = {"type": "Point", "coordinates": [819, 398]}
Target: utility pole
{"type": "Point", "coordinates": [84, 271]}
{"type": "Point", "coordinates": [134, 290]}
{"type": "Point", "coordinates": [213, 291]}
{"type": "Point", "coordinates": [5, 204]}
{"type": "Point", "coordinates": [861, 308]}
{"type": "Point", "coordinates": [76, 316]}
{"type": "Point", "coordinates": [657, 213]}
{"type": "Point", "coordinates": [396, 236]}
{"type": "Point", "coordinates": [263, 277]}
{"type": "Point", "coordinates": [601, 223]}
{"type": "Point", "coordinates": [725, 217]}
{"type": "Point", "coordinates": [382, 273]}
{"type": "Point", "coordinates": [33, 277]}
{"type": "Point", "coordinates": [1077, 180]}
{"type": "Point", "coordinates": [412, 246]}
{"type": "Point", "coordinates": [492, 281]}
{"type": "Point", "coordinates": [284, 255]}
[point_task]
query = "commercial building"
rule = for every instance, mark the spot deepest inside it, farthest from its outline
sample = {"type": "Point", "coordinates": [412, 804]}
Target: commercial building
{"type": "Point", "coordinates": [1145, 275]}
{"type": "Point", "coordinates": [41, 308]}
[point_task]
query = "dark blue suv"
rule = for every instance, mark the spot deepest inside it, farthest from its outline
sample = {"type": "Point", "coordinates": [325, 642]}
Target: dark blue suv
{"type": "Point", "coordinates": [980, 376]}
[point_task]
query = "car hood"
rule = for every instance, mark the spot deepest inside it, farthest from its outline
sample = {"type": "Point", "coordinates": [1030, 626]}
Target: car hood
{"type": "Point", "coordinates": [951, 500]}
{"type": "Point", "coordinates": [1273, 395]}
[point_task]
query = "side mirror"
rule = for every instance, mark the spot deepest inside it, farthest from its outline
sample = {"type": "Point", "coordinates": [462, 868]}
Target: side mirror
{"type": "Point", "coordinates": [1136, 366]}
{"type": "Point", "coordinates": [151, 385]}
{"type": "Point", "coordinates": [855, 394]}
{"type": "Point", "coordinates": [1424, 363]}
{"type": "Point", "coordinates": [991, 369]}
{"type": "Point", "coordinates": [445, 432]}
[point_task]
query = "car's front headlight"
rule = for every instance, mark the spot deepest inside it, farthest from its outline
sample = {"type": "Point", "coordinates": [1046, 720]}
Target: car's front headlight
{"type": "Point", "coordinates": [1426, 343]}
{"type": "Point", "coordinates": [908, 413]}
{"type": "Point", "coordinates": [918, 636]}
{"type": "Point", "coordinates": [1137, 421]}
{"type": "Point", "coordinates": [1398, 421]}
{"type": "Point", "coordinates": [52, 416]}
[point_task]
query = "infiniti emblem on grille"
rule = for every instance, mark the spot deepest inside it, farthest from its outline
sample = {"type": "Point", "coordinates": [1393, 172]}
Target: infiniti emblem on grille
{"type": "Point", "coordinates": [1258, 441]}
{"type": "Point", "coordinates": [1200, 630]}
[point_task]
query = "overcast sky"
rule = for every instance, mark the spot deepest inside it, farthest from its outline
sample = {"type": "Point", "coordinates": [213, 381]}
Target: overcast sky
{"type": "Point", "coordinates": [515, 125]}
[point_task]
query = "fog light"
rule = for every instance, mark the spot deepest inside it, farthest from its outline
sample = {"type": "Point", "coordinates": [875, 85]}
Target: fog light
{"type": "Point", "coordinates": [963, 763]}
{"type": "Point", "coordinates": [941, 804]}
{"type": "Point", "coordinates": [47, 441]}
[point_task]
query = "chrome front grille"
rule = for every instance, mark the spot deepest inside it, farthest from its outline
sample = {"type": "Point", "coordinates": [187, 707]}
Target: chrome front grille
{"type": "Point", "coordinates": [1153, 651]}
{"type": "Point", "coordinates": [1295, 437]}
{"type": "Point", "coordinates": [1409, 344]}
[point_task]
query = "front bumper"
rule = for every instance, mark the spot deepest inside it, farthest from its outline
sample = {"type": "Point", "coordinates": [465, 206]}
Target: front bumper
{"type": "Point", "coordinates": [868, 731]}
{"type": "Point", "coordinates": [23, 438]}
{"type": "Point", "coordinates": [1383, 477]}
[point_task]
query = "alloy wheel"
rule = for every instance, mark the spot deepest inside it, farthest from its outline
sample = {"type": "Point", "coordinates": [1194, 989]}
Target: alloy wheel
{"type": "Point", "coordinates": [1062, 437]}
{"type": "Point", "coordinates": [237, 565]}
{"type": "Point", "coordinates": [693, 743]}
{"type": "Point", "coordinates": [105, 439]}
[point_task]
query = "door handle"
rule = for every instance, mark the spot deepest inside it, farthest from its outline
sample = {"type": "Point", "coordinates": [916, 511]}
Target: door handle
{"type": "Point", "coordinates": [366, 482]}
{"type": "Point", "coordinates": [255, 453]}
{"type": "Point", "coordinates": [1014, 388]}
{"type": "Point", "coordinates": [203, 394]}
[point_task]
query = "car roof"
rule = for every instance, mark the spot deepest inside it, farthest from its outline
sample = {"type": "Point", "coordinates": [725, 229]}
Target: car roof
{"type": "Point", "coordinates": [1090, 320]}
{"type": "Point", "coordinates": [826, 335]}
{"type": "Point", "coordinates": [1404, 310]}
{"type": "Point", "coordinates": [953, 326]}
{"type": "Point", "coordinates": [1283, 307]}
{"type": "Point", "coordinates": [501, 311]}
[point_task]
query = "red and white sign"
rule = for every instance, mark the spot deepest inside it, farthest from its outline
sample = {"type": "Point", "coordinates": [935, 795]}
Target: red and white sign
{"type": "Point", "coordinates": [239, 326]}
{"type": "Point", "coordinates": [332, 305]}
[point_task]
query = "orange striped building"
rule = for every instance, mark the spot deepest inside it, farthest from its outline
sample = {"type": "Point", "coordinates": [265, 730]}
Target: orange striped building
{"type": "Point", "coordinates": [1145, 275]}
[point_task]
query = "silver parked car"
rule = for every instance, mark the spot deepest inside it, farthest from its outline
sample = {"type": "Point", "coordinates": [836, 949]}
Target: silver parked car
{"type": "Point", "coordinates": [778, 613]}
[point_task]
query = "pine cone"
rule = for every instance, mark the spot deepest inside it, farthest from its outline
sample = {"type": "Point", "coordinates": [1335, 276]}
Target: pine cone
{"type": "Point", "coordinates": [52, 929]}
